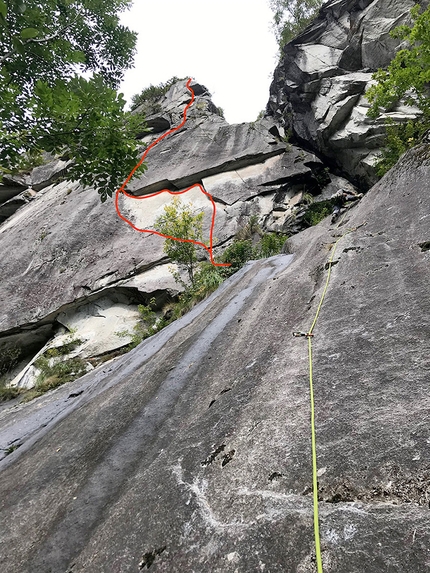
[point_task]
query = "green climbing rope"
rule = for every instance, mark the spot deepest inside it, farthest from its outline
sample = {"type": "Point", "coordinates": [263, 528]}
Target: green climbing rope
{"type": "Point", "coordinates": [309, 336]}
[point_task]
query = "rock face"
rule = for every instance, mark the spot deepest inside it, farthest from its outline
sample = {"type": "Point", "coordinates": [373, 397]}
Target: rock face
{"type": "Point", "coordinates": [16, 191]}
{"type": "Point", "coordinates": [192, 453]}
{"type": "Point", "coordinates": [319, 85]}
{"type": "Point", "coordinates": [67, 253]}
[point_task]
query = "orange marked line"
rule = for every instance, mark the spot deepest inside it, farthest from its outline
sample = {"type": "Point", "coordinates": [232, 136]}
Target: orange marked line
{"type": "Point", "coordinates": [208, 248]}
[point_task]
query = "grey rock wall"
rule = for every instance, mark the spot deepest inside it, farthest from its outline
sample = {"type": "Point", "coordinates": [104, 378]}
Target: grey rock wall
{"type": "Point", "coordinates": [319, 85]}
{"type": "Point", "coordinates": [192, 453]}
{"type": "Point", "coordinates": [65, 251]}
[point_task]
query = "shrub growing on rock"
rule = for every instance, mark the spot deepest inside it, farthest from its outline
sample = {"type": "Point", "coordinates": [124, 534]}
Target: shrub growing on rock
{"type": "Point", "coordinates": [7, 392]}
{"type": "Point", "coordinates": [8, 360]}
{"type": "Point", "coordinates": [153, 93]}
{"type": "Point", "coordinates": [54, 373]}
{"type": "Point", "coordinates": [251, 243]}
{"type": "Point", "coordinates": [184, 222]}
{"type": "Point", "coordinates": [316, 212]}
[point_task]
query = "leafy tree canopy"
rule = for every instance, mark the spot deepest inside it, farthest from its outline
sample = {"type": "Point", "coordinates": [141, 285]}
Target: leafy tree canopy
{"type": "Point", "coordinates": [47, 104]}
{"type": "Point", "coordinates": [407, 78]}
{"type": "Point", "coordinates": [290, 17]}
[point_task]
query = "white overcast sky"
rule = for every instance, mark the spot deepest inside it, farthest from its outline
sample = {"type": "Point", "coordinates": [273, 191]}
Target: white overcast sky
{"type": "Point", "coordinates": [226, 45]}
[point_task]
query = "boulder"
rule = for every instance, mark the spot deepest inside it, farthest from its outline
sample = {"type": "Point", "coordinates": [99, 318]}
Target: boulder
{"type": "Point", "coordinates": [44, 175]}
{"type": "Point", "coordinates": [12, 205]}
{"type": "Point", "coordinates": [165, 111]}
{"type": "Point", "coordinates": [282, 170]}
{"type": "Point", "coordinates": [12, 186]}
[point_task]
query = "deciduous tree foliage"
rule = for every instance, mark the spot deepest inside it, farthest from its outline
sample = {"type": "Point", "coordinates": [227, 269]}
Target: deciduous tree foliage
{"type": "Point", "coordinates": [290, 17]}
{"type": "Point", "coordinates": [48, 105]}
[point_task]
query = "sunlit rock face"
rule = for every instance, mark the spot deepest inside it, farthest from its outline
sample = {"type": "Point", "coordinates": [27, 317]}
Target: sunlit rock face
{"type": "Point", "coordinates": [319, 86]}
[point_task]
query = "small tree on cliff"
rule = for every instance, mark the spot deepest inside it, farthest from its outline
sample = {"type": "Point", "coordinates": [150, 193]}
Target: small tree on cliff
{"type": "Point", "coordinates": [290, 17]}
{"type": "Point", "coordinates": [407, 78]}
{"type": "Point", "coordinates": [182, 221]}
{"type": "Point", "coordinates": [47, 105]}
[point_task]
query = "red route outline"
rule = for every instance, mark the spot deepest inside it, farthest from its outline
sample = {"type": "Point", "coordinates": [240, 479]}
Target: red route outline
{"type": "Point", "coordinates": [122, 190]}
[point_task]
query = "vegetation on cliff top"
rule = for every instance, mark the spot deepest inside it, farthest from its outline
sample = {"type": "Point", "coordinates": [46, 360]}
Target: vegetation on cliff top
{"type": "Point", "coordinates": [48, 104]}
{"type": "Point", "coordinates": [153, 93]}
{"type": "Point", "coordinates": [290, 17]}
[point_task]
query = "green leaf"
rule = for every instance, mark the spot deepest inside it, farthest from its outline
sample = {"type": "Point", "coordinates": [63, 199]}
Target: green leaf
{"type": "Point", "coordinates": [3, 8]}
{"type": "Point", "coordinates": [28, 33]}
{"type": "Point", "coordinates": [77, 57]}
{"type": "Point", "coordinates": [18, 45]}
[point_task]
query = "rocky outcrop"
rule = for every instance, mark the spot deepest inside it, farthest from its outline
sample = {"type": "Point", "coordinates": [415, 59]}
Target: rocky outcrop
{"type": "Point", "coordinates": [10, 188]}
{"type": "Point", "coordinates": [17, 190]}
{"type": "Point", "coordinates": [67, 254]}
{"type": "Point", "coordinates": [11, 205]}
{"type": "Point", "coordinates": [192, 453]}
{"type": "Point", "coordinates": [319, 86]}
